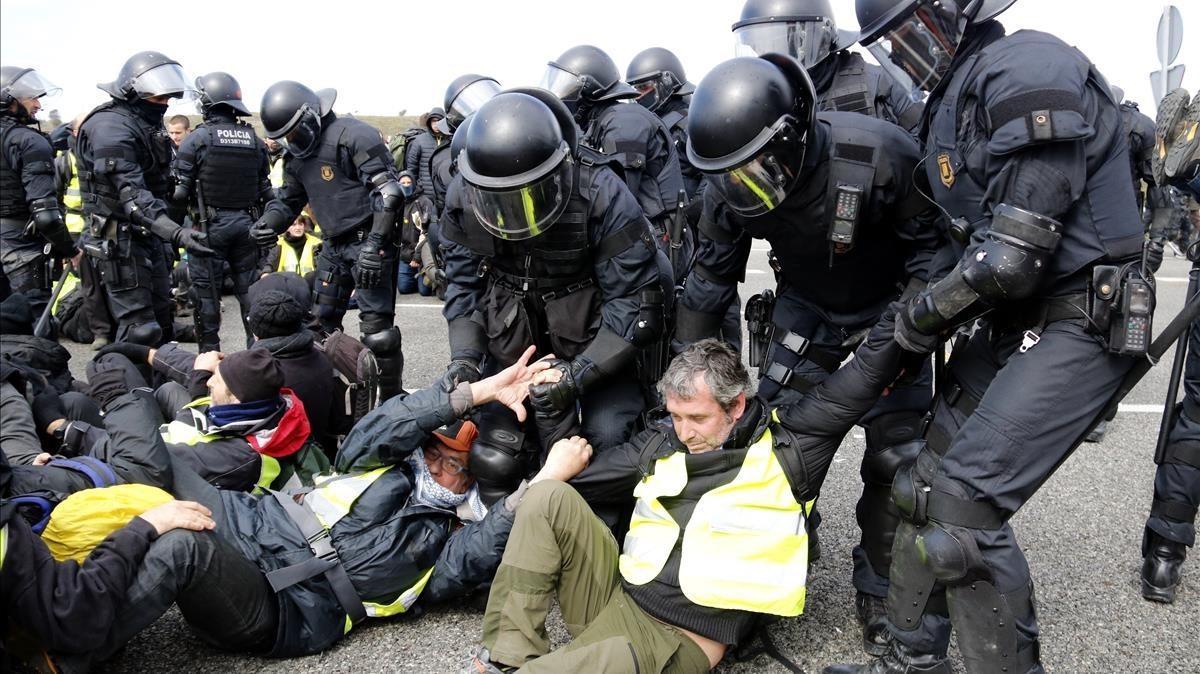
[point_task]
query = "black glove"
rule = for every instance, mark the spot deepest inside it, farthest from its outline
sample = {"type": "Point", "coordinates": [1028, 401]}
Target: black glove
{"type": "Point", "coordinates": [907, 335]}
{"type": "Point", "coordinates": [370, 262]}
{"type": "Point", "coordinates": [461, 370]}
{"type": "Point", "coordinates": [264, 233]}
{"type": "Point", "coordinates": [191, 241]}
{"type": "Point", "coordinates": [1154, 255]}
{"type": "Point", "coordinates": [139, 354]}
{"type": "Point", "coordinates": [558, 396]}
{"type": "Point", "coordinates": [106, 386]}
{"type": "Point", "coordinates": [47, 407]}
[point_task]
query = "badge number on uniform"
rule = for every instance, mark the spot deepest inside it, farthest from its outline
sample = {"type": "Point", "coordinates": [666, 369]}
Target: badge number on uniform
{"type": "Point", "coordinates": [946, 170]}
{"type": "Point", "coordinates": [327, 173]}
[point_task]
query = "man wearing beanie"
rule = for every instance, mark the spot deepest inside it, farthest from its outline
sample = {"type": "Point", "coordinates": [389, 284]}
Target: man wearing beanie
{"type": "Point", "coordinates": [279, 313]}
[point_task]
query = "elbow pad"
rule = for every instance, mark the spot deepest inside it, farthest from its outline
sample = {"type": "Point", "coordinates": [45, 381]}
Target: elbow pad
{"type": "Point", "coordinates": [1008, 265]}
{"type": "Point", "coordinates": [389, 190]}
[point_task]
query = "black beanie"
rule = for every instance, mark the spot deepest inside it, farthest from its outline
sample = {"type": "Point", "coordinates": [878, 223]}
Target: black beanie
{"type": "Point", "coordinates": [275, 314]}
{"type": "Point", "coordinates": [252, 375]}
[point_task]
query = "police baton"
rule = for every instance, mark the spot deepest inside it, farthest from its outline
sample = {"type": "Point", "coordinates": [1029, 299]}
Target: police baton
{"type": "Point", "coordinates": [1181, 349]}
{"type": "Point", "coordinates": [42, 327]}
{"type": "Point", "coordinates": [675, 235]}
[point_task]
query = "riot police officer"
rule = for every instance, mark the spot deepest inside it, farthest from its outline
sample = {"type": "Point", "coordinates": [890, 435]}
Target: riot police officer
{"type": "Point", "coordinates": [221, 170]}
{"type": "Point", "coordinates": [342, 169]}
{"type": "Point", "coordinates": [124, 175]}
{"type": "Point", "coordinates": [545, 245]}
{"type": "Point", "coordinates": [844, 81]}
{"type": "Point", "coordinates": [833, 194]}
{"type": "Point", "coordinates": [587, 80]}
{"type": "Point", "coordinates": [663, 88]}
{"type": "Point", "coordinates": [463, 97]}
{"type": "Point", "coordinates": [1028, 161]}
{"type": "Point", "coordinates": [32, 227]}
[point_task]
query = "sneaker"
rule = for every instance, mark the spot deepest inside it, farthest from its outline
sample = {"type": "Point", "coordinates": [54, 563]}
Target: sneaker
{"type": "Point", "coordinates": [481, 663]}
{"type": "Point", "coordinates": [1183, 149]}
{"type": "Point", "coordinates": [1167, 126]}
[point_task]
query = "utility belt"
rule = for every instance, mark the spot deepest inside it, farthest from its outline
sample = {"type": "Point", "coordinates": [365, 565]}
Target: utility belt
{"type": "Point", "coordinates": [109, 247]}
{"type": "Point", "coordinates": [766, 336]}
{"type": "Point", "coordinates": [545, 290]}
{"type": "Point", "coordinates": [355, 235]}
{"type": "Point", "coordinates": [211, 212]}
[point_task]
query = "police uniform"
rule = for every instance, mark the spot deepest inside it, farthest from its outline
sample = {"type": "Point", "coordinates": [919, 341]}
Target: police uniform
{"type": "Point", "coordinates": [337, 182]}
{"type": "Point", "coordinates": [124, 158]}
{"type": "Point", "coordinates": [847, 83]}
{"type": "Point", "coordinates": [827, 297]}
{"type": "Point", "coordinates": [673, 114]}
{"type": "Point", "coordinates": [27, 194]}
{"type": "Point", "coordinates": [576, 290]}
{"type": "Point", "coordinates": [226, 168]}
{"type": "Point", "coordinates": [1050, 169]}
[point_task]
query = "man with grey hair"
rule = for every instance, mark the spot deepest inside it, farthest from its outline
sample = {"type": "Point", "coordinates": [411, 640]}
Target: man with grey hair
{"type": "Point", "coordinates": [718, 536]}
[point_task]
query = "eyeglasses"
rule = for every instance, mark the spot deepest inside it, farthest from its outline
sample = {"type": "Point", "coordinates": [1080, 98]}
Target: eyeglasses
{"type": "Point", "coordinates": [449, 464]}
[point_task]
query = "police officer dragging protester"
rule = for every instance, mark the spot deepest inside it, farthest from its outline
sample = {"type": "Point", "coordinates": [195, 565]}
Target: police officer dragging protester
{"type": "Point", "coordinates": [844, 81]}
{"type": "Point", "coordinates": [833, 194]}
{"type": "Point", "coordinates": [341, 168]}
{"type": "Point", "coordinates": [587, 80]}
{"type": "Point", "coordinates": [1027, 158]}
{"type": "Point", "coordinates": [124, 174]}
{"type": "Point", "coordinates": [32, 227]}
{"type": "Point", "coordinates": [221, 171]}
{"type": "Point", "coordinates": [552, 250]}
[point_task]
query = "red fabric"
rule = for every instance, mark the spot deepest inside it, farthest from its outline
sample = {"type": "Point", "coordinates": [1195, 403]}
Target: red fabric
{"type": "Point", "coordinates": [289, 435]}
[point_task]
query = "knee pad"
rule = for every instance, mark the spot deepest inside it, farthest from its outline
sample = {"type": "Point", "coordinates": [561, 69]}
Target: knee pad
{"type": "Point", "coordinates": [910, 488]}
{"type": "Point", "coordinates": [495, 461]}
{"type": "Point", "coordinates": [952, 554]}
{"type": "Point", "coordinates": [146, 334]}
{"type": "Point", "coordinates": [383, 342]}
{"type": "Point", "coordinates": [910, 580]}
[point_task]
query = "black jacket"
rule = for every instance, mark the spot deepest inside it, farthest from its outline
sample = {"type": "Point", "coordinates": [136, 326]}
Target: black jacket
{"type": "Point", "coordinates": [309, 374]}
{"type": "Point", "coordinates": [418, 155]}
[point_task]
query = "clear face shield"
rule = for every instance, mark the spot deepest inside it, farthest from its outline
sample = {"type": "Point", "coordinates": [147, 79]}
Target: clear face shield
{"type": "Point", "coordinates": [923, 45]}
{"type": "Point", "coordinates": [527, 211]}
{"type": "Point", "coordinates": [566, 85]}
{"type": "Point", "coordinates": [653, 91]}
{"type": "Point", "coordinates": [806, 41]}
{"type": "Point", "coordinates": [759, 185]}
{"type": "Point", "coordinates": [32, 84]}
{"type": "Point", "coordinates": [471, 98]}
{"type": "Point", "coordinates": [302, 140]}
{"type": "Point", "coordinates": [897, 74]}
{"type": "Point", "coordinates": [167, 79]}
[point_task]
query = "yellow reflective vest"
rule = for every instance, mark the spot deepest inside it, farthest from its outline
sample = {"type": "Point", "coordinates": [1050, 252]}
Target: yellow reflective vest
{"type": "Point", "coordinates": [182, 433]}
{"type": "Point", "coordinates": [745, 546]}
{"type": "Point", "coordinates": [73, 199]}
{"type": "Point", "coordinates": [302, 263]}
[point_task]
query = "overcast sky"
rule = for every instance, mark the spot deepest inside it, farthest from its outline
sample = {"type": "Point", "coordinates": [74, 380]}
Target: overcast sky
{"type": "Point", "coordinates": [384, 57]}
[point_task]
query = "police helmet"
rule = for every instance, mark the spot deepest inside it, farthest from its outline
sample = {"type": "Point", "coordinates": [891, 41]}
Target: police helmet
{"type": "Point", "coordinates": [457, 141]}
{"type": "Point", "coordinates": [518, 164]}
{"type": "Point", "coordinates": [802, 29]}
{"type": "Point", "coordinates": [218, 88]}
{"type": "Point", "coordinates": [464, 96]}
{"type": "Point", "coordinates": [148, 74]}
{"type": "Point", "coordinates": [18, 83]}
{"type": "Point", "coordinates": [585, 73]}
{"type": "Point", "coordinates": [748, 128]}
{"type": "Point", "coordinates": [657, 75]}
{"type": "Point", "coordinates": [922, 36]}
{"type": "Point", "coordinates": [291, 114]}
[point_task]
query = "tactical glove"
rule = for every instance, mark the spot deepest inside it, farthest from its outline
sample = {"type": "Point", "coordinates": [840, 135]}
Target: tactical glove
{"type": "Point", "coordinates": [370, 262]}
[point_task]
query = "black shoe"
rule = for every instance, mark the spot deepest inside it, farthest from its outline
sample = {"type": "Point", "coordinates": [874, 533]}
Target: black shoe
{"type": "Point", "coordinates": [872, 615]}
{"type": "Point", "coordinates": [1161, 568]}
{"type": "Point", "coordinates": [897, 659]}
{"type": "Point", "coordinates": [814, 546]}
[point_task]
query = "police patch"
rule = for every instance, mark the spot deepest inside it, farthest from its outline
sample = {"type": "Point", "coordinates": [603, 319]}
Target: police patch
{"type": "Point", "coordinates": [327, 173]}
{"type": "Point", "coordinates": [946, 170]}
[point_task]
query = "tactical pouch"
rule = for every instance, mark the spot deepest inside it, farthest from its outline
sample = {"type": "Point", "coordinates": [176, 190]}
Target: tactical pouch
{"type": "Point", "coordinates": [1106, 283]}
{"type": "Point", "coordinates": [119, 272]}
{"type": "Point", "coordinates": [507, 325]}
{"type": "Point", "coordinates": [1122, 310]}
{"type": "Point", "coordinates": [572, 320]}
{"type": "Point", "coordinates": [759, 309]}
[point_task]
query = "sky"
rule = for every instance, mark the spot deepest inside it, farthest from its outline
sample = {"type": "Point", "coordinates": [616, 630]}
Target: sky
{"type": "Point", "coordinates": [385, 57]}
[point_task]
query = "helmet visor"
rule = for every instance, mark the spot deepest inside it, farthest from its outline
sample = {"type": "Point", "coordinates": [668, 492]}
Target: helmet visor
{"type": "Point", "coordinates": [566, 85]}
{"type": "Point", "coordinates": [653, 92]}
{"type": "Point", "coordinates": [31, 84]}
{"type": "Point", "coordinates": [527, 211]}
{"type": "Point", "coordinates": [897, 74]}
{"type": "Point", "coordinates": [759, 185]}
{"type": "Point", "coordinates": [923, 45]}
{"type": "Point", "coordinates": [809, 42]}
{"type": "Point", "coordinates": [167, 79]}
{"type": "Point", "coordinates": [470, 98]}
{"type": "Point", "coordinates": [301, 141]}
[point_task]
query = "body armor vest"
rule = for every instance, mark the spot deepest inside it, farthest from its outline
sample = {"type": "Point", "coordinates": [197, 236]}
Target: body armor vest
{"type": "Point", "coordinates": [152, 152]}
{"type": "Point", "coordinates": [339, 200]}
{"type": "Point", "coordinates": [12, 190]}
{"type": "Point", "coordinates": [852, 89]}
{"type": "Point", "coordinates": [229, 174]}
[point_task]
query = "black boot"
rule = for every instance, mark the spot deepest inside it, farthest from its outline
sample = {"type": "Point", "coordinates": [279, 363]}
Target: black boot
{"type": "Point", "coordinates": [1162, 566]}
{"type": "Point", "coordinates": [872, 615]}
{"type": "Point", "coordinates": [897, 659]}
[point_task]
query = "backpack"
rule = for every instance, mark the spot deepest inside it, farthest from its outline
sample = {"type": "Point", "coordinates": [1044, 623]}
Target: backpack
{"type": "Point", "coordinates": [357, 374]}
{"type": "Point", "coordinates": [399, 146]}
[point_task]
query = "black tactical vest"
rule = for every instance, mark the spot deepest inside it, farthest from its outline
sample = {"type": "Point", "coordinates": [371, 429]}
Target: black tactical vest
{"type": "Point", "coordinates": [338, 198]}
{"type": "Point", "coordinates": [229, 174]}
{"type": "Point", "coordinates": [12, 190]}
{"type": "Point", "coordinates": [852, 89]}
{"type": "Point", "coordinates": [152, 152]}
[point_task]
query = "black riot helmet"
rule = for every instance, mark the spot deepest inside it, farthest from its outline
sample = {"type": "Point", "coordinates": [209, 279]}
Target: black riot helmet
{"type": "Point", "coordinates": [657, 75]}
{"type": "Point", "coordinates": [585, 73]}
{"type": "Point", "coordinates": [17, 83]}
{"type": "Point", "coordinates": [748, 128]}
{"type": "Point", "coordinates": [921, 36]}
{"type": "Point", "coordinates": [291, 114]}
{"type": "Point", "coordinates": [464, 96]}
{"type": "Point", "coordinates": [458, 141]}
{"type": "Point", "coordinates": [518, 165]}
{"type": "Point", "coordinates": [802, 29]}
{"type": "Point", "coordinates": [218, 88]}
{"type": "Point", "coordinates": [148, 74]}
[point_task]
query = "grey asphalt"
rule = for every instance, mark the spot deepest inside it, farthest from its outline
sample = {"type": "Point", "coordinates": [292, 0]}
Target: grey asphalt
{"type": "Point", "coordinates": [1081, 534]}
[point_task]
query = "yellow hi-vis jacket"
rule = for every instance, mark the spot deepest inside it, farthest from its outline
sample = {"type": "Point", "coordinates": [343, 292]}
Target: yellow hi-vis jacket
{"type": "Point", "coordinates": [302, 263]}
{"type": "Point", "coordinates": [745, 546]}
{"type": "Point", "coordinates": [73, 199]}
